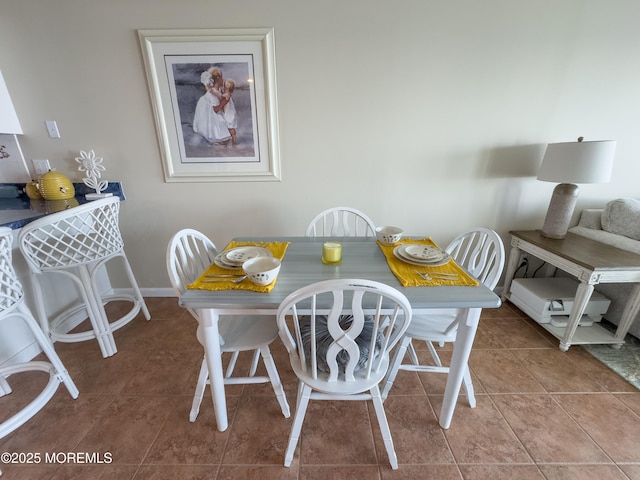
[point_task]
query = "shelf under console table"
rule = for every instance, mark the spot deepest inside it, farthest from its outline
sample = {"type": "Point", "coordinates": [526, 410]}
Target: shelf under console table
{"type": "Point", "coordinates": [591, 262]}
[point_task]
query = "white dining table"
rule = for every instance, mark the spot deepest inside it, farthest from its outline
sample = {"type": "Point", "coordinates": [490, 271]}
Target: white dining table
{"type": "Point", "coordinates": [302, 265]}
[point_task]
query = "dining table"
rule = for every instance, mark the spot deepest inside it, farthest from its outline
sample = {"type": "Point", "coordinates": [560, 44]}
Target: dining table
{"type": "Point", "coordinates": [362, 258]}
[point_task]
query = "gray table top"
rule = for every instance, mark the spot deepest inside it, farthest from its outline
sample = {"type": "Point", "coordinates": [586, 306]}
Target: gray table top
{"type": "Point", "coordinates": [361, 258]}
{"type": "Point", "coordinates": [584, 251]}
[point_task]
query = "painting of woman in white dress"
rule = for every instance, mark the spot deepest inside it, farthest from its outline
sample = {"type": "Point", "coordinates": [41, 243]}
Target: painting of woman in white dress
{"type": "Point", "coordinates": [208, 119]}
{"type": "Point", "coordinates": [217, 117]}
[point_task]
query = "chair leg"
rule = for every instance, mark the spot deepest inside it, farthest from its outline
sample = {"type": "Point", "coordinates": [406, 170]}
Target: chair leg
{"type": "Point", "coordinates": [272, 371]}
{"type": "Point", "coordinates": [97, 313]}
{"type": "Point", "coordinates": [136, 289]}
{"type": "Point", "coordinates": [434, 354]}
{"type": "Point", "coordinates": [254, 363]}
{"type": "Point", "coordinates": [468, 386]}
{"type": "Point", "coordinates": [384, 426]}
{"type": "Point", "coordinates": [46, 346]}
{"type": "Point", "coordinates": [413, 354]}
{"type": "Point", "coordinates": [232, 365]}
{"type": "Point", "coordinates": [5, 388]}
{"type": "Point", "coordinates": [395, 366]}
{"type": "Point", "coordinates": [302, 404]}
{"type": "Point", "coordinates": [200, 386]}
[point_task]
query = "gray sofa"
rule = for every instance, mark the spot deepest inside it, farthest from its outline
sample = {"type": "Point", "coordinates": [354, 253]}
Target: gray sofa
{"type": "Point", "coordinates": [617, 224]}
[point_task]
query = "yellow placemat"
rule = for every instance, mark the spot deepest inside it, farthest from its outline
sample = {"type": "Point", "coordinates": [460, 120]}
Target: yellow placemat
{"type": "Point", "coordinates": [278, 249]}
{"type": "Point", "coordinates": [406, 272]}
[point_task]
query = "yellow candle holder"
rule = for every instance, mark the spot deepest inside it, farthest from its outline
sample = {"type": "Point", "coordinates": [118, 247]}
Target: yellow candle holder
{"type": "Point", "coordinates": [332, 253]}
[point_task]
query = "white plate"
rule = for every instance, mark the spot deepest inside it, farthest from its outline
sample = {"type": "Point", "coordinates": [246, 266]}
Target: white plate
{"type": "Point", "coordinates": [235, 257]}
{"type": "Point", "coordinates": [423, 263]}
{"type": "Point", "coordinates": [422, 252]}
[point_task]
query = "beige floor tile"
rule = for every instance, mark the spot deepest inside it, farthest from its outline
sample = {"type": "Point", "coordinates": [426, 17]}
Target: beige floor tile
{"type": "Point", "coordinates": [632, 471]}
{"type": "Point", "coordinates": [547, 432]}
{"type": "Point", "coordinates": [259, 433]}
{"type": "Point", "coordinates": [127, 428]}
{"type": "Point", "coordinates": [262, 472]}
{"type": "Point", "coordinates": [417, 437]}
{"type": "Point", "coordinates": [336, 433]}
{"type": "Point", "coordinates": [337, 472]}
{"type": "Point", "coordinates": [598, 371]}
{"type": "Point", "coordinates": [500, 371]}
{"type": "Point", "coordinates": [608, 421]}
{"type": "Point", "coordinates": [412, 472]}
{"type": "Point", "coordinates": [582, 472]}
{"type": "Point", "coordinates": [513, 333]}
{"type": "Point", "coordinates": [165, 372]}
{"type": "Point", "coordinates": [60, 426]}
{"type": "Point", "coordinates": [556, 372]}
{"type": "Point", "coordinates": [183, 442]}
{"type": "Point", "coordinates": [173, 472]}
{"type": "Point", "coordinates": [631, 400]}
{"type": "Point", "coordinates": [501, 472]}
{"type": "Point", "coordinates": [481, 435]}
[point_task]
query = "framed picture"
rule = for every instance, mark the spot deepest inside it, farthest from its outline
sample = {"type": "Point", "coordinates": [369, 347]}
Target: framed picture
{"type": "Point", "coordinates": [13, 168]}
{"type": "Point", "coordinates": [214, 101]}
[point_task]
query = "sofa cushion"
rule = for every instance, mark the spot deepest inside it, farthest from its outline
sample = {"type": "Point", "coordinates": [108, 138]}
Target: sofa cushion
{"type": "Point", "coordinates": [622, 216]}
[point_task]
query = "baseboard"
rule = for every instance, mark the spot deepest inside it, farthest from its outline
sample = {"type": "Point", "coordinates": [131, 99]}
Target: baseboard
{"type": "Point", "coordinates": [25, 355]}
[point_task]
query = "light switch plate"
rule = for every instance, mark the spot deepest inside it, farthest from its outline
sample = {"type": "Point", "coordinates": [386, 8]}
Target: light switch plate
{"type": "Point", "coordinates": [41, 166]}
{"type": "Point", "coordinates": [52, 128]}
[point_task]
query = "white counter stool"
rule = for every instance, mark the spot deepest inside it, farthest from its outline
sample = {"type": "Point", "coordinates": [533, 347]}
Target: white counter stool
{"type": "Point", "coordinates": [77, 244]}
{"type": "Point", "coordinates": [12, 306]}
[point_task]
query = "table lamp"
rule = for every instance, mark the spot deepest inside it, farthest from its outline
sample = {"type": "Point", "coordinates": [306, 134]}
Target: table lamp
{"type": "Point", "coordinates": [571, 163]}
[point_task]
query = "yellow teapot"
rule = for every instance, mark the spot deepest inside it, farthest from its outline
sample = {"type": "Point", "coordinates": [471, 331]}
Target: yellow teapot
{"type": "Point", "coordinates": [32, 191]}
{"type": "Point", "coordinates": [55, 186]}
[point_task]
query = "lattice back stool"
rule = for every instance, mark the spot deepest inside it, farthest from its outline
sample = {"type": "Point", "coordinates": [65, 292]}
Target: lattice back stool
{"type": "Point", "coordinates": [12, 306]}
{"type": "Point", "coordinates": [77, 243]}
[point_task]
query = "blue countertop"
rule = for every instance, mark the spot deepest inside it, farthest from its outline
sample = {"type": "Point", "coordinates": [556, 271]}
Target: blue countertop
{"type": "Point", "coordinates": [17, 211]}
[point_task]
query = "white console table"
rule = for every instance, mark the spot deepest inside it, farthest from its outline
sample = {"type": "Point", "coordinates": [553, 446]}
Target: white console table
{"type": "Point", "coordinates": [591, 263]}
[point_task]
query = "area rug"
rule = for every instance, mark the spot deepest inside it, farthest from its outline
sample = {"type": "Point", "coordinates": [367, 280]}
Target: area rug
{"type": "Point", "coordinates": [625, 361]}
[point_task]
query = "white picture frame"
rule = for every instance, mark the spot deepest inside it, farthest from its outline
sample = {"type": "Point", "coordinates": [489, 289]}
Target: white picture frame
{"type": "Point", "coordinates": [175, 63]}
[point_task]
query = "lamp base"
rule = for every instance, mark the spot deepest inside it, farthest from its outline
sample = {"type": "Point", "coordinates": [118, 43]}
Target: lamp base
{"type": "Point", "coordinates": [561, 206]}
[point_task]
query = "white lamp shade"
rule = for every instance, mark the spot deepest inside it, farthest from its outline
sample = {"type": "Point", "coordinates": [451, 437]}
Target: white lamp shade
{"type": "Point", "coordinates": [9, 122]}
{"type": "Point", "coordinates": [578, 162]}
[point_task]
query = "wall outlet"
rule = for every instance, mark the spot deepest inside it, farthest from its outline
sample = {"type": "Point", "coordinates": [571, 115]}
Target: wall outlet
{"type": "Point", "coordinates": [41, 166]}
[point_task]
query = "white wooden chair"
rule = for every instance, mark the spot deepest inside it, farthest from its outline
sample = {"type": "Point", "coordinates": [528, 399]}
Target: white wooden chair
{"type": "Point", "coordinates": [77, 244]}
{"type": "Point", "coordinates": [336, 351]}
{"type": "Point", "coordinates": [189, 254]}
{"type": "Point", "coordinates": [12, 306]}
{"type": "Point", "coordinates": [481, 252]}
{"type": "Point", "coordinates": [341, 222]}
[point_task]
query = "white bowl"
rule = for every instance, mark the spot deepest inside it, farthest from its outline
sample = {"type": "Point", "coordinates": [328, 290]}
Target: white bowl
{"type": "Point", "coordinates": [262, 270]}
{"type": "Point", "coordinates": [388, 235]}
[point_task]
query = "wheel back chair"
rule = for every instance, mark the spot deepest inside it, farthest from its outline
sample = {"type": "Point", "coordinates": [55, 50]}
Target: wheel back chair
{"type": "Point", "coordinates": [481, 252]}
{"type": "Point", "coordinates": [339, 334]}
{"type": "Point", "coordinates": [189, 254]}
{"type": "Point", "coordinates": [341, 222]}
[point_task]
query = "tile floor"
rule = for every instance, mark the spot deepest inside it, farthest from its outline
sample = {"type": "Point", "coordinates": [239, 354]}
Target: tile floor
{"type": "Point", "coordinates": [541, 414]}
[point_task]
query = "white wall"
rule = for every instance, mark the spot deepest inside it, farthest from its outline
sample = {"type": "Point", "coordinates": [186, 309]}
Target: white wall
{"type": "Point", "coordinates": [430, 115]}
